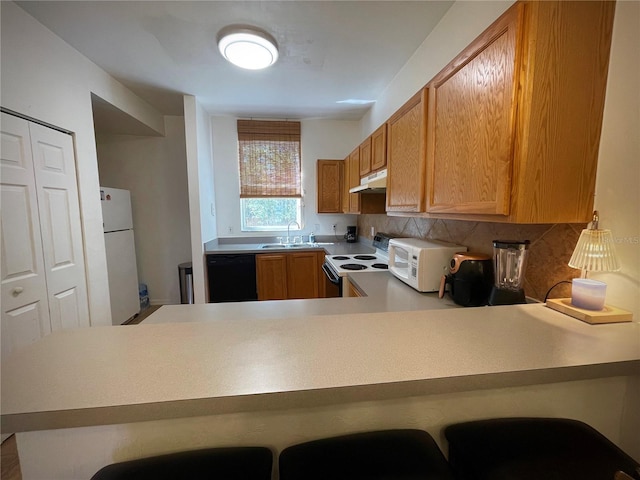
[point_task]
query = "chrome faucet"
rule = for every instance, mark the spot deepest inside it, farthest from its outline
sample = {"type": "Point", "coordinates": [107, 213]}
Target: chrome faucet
{"type": "Point", "coordinates": [288, 227]}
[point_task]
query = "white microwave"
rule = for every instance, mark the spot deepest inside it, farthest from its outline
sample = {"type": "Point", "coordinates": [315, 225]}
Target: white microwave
{"type": "Point", "coordinates": [421, 263]}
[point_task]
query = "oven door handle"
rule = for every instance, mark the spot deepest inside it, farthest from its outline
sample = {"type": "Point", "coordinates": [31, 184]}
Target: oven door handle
{"type": "Point", "coordinates": [333, 278]}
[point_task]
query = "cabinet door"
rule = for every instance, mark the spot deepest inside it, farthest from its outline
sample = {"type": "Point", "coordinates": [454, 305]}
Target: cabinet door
{"type": "Point", "coordinates": [303, 275]}
{"type": "Point", "coordinates": [59, 210]}
{"type": "Point", "coordinates": [471, 124]}
{"type": "Point", "coordinates": [271, 270]}
{"type": "Point", "coordinates": [330, 173]}
{"type": "Point", "coordinates": [379, 148]}
{"type": "Point", "coordinates": [354, 180]}
{"type": "Point", "coordinates": [345, 185]}
{"type": "Point", "coordinates": [406, 139]}
{"type": "Point", "coordinates": [365, 157]}
{"type": "Point", "coordinates": [25, 307]}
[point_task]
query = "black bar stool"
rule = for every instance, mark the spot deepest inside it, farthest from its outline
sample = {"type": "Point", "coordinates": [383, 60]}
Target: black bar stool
{"type": "Point", "coordinates": [534, 449]}
{"type": "Point", "coordinates": [236, 463]}
{"type": "Point", "coordinates": [387, 454]}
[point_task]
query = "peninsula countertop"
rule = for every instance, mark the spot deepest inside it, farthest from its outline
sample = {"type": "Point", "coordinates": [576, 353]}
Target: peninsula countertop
{"type": "Point", "coordinates": [108, 375]}
{"type": "Point", "coordinates": [384, 293]}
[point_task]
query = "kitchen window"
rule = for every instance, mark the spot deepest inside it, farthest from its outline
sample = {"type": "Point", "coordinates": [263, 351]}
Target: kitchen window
{"type": "Point", "coordinates": [270, 174]}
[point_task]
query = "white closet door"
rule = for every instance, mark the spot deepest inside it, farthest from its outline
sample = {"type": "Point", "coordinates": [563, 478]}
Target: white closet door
{"type": "Point", "coordinates": [57, 192]}
{"type": "Point", "coordinates": [25, 310]}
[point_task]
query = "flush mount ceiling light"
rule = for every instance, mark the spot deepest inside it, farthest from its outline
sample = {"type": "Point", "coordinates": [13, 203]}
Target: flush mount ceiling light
{"type": "Point", "coordinates": [247, 47]}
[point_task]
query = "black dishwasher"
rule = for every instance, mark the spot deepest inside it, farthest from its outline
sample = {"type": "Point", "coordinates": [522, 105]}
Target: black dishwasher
{"type": "Point", "coordinates": [232, 278]}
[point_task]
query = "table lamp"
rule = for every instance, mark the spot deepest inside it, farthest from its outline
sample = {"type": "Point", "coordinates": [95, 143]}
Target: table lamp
{"type": "Point", "coordinates": [594, 252]}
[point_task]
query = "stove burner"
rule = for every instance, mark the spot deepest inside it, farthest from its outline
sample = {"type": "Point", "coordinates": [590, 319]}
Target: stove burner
{"type": "Point", "coordinates": [365, 257]}
{"type": "Point", "coordinates": [383, 266]}
{"type": "Point", "coordinates": [340, 257]}
{"type": "Point", "coordinates": [353, 266]}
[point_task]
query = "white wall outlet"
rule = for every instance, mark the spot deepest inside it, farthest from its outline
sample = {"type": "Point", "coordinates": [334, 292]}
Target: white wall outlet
{"type": "Point", "coordinates": [373, 231]}
{"type": "Point", "coordinates": [230, 229]}
{"type": "Point", "coordinates": [316, 227]}
{"type": "Point", "coordinates": [213, 209]}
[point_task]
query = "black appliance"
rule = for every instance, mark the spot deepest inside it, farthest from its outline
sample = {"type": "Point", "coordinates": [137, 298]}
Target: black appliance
{"type": "Point", "coordinates": [232, 277]}
{"type": "Point", "coordinates": [470, 279]}
{"type": "Point", "coordinates": [352, 234]}
{"type": "Point", "coordinates": [509, 262]}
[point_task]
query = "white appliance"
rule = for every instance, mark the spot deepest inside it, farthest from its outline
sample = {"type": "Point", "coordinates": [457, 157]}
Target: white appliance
{"type": "Point", "coordinates": [121, 254]}
{"type": "Point", "coordinates": [373, 183]}
{"type": "Point", "coordinates": [337, 267]}
{"type": "Point", "coordinates": [421, 263]}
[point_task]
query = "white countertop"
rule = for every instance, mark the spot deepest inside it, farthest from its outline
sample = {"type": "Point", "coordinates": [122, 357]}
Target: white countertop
{"type": "Point", "coordinates": [107, 375]}
{"type": "Point", "coordinates": [330, 246]}
{"type": "Point", "coordinates": [385, 293]}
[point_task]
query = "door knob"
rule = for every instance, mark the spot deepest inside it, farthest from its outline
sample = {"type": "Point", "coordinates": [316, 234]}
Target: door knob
{"type": "Point", "coordinates": [17, 291]}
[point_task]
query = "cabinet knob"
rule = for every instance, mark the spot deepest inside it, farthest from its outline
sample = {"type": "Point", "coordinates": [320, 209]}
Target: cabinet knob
{"type": "Point", "coordinates": [17, 291]}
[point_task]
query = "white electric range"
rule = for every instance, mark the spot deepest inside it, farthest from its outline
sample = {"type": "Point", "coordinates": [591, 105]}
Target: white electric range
{"type": "Point", "coordinates": [337, 267]}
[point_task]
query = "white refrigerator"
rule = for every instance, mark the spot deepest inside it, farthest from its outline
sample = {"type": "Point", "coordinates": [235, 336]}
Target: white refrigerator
{"type": "Point", "coordinates": [121, 253]}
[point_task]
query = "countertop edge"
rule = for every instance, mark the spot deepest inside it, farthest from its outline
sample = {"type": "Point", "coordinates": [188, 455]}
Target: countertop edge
{"type": "Point", "coordinates": [171, 409]}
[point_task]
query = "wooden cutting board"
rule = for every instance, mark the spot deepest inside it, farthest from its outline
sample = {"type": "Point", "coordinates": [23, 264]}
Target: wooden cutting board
{"type": "Point", "coordinates": [608, 314]}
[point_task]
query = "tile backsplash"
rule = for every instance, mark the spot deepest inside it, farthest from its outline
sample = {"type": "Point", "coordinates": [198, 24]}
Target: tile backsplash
{"type": "Point", "coordinates": [550, 250]}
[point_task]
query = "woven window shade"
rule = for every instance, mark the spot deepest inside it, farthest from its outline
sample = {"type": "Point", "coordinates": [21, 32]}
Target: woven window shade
{"type": "Point", "coordinates": [269, 153]}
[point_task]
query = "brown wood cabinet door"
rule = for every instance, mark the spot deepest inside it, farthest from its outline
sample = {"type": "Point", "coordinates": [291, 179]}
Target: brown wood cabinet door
{"type": "Point", "coordinates": [471, 124]}
{"type": "Point", "coordinates": [271, 272]}
{"type": "Point", "coordinates": [303, 275]}
{"type": "Point", "coordinates": [345, 185]}
{"type": "Point", "coordinates": [365, 157]}
{"type": "Point", "coordinates": [406, 144]}
{"type": "Point", "coordinates": [354, 180]}
{"type": "Point", "coordinates": [379, 148]}
{"type": "Point", "coordinates": [329, 176]}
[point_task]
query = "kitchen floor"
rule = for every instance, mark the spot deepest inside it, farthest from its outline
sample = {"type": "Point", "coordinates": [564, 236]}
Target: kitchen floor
{"type": "Point", "coordinates": [9, 461]}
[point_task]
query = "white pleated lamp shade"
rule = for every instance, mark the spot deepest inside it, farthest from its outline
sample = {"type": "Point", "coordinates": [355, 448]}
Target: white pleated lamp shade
{"type": "Point", "coordinates": [595, 252]}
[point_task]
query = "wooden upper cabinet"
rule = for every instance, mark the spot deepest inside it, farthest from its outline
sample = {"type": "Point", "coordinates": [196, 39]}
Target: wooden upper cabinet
{"type": "Point", "coordinates": [354, 180]}
{"type": "Point", "coordinates": [406, 145]}
{"type": "Point", "coordinates": [471, 118]}
{"type": "Point", "coordinates": [379, 148]}
{"type": "Point", "coordinates": [365, 157]}
{"type": "Point", "coordinates": [514, 121]}
{"type": "Point", "coordinates": [345, 185]}
{"type": "Point", "coordinates": [330, 175]}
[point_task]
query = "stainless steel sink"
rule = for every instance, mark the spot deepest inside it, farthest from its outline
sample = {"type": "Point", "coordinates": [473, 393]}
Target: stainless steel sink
{"type": "Point", "coordinates": [293, 245]}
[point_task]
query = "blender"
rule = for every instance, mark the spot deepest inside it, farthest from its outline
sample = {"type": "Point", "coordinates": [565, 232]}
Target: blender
{"type": "Point", "coordinates": [509, 260]}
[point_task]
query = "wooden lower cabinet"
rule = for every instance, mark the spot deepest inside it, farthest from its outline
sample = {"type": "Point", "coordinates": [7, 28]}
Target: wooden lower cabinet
{"type": "Point", "coordinates": [354, 292]}
{"type": "Point", "coordinates": [283, 276]}
{"type": "Point", "coordinates": [271, 273]}
{"type": "Point", "coordinates": [303, 275]}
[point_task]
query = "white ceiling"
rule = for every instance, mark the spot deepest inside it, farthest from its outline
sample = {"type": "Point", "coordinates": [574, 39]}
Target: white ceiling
{"type": "Point", "coordinates": [329, 50]}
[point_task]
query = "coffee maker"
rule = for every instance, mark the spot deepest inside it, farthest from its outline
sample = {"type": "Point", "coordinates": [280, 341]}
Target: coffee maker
{"type": "Point", "coordinates": [352, 234]}
{"type": "Point", "coordinates": [509, 262]}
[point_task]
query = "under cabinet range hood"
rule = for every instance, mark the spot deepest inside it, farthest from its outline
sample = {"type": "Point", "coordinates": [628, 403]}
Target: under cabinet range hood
{"type": "Point", "coordinates": [374, 183]}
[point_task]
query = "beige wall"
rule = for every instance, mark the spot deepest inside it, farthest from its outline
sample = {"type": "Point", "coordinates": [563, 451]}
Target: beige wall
{"type": "Point", "coordinates": [154, 169]}
{"type": "Point", "coordinates": [328, 139]}
{"type": "Point", "coordinates": [44, 78]}
{"type": "Point", "coordinates": [618, 180]}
